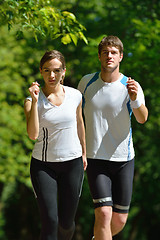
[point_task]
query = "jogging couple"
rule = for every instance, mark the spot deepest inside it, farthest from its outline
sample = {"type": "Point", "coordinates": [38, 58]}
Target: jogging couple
{"type": "Point", "coordinates": [59, 158]}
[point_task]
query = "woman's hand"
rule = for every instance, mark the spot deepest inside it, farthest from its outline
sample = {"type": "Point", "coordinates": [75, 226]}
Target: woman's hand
{"type": "Point", "coordinates": [31, 112]}
{"type": "Point", "coordinates": [81, 134]}
{"type": "Point", "coordinates": [34, 91]}
{"type": "Point", "coordinates": [84, 161]}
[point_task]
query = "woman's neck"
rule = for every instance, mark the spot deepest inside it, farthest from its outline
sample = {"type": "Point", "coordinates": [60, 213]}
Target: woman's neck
{"type": "Point", "coordinates": [58, 89]}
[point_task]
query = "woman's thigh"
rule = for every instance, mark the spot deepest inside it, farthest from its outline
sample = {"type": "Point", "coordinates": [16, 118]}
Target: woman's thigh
{"type": "Point", "coordinates": [45, 188]}
{"type": "Point", "coordinates": [69, 191]}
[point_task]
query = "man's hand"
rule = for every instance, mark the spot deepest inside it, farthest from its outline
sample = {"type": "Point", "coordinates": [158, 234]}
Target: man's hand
{"type": "Point", "coordinates": [132, 87]}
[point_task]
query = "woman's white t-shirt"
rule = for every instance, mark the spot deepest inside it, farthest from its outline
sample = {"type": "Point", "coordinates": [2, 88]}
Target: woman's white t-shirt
{"type": "Point", "coordinates": [58, 138]}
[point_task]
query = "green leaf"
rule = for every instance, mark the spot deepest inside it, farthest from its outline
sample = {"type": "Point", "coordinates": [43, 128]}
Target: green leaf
{"type": "Point", "coordinates": [83, 37]}
{"type": "Point", "coordinates": [66, 39]}
{"type": "Point", "coordinates": [69, 15]}
{"type": "Point", "coordinates": [74, 38]}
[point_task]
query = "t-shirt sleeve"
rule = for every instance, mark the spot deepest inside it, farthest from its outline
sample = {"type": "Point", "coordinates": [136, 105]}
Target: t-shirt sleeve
{"type": "Point", "coordinates": [140, 98]}
{"type": "Point", "coordinates": [83, 82]}
{"type": "Point", "coordinates": [140, 94]}
{"type": "Point", "coordinates": [81, 85]}
{"type": "Point", "coordinates": [75, 95]}
{"type": "Point", "coordinates": [78, 96]}
{"type": "Point", "coordinates": [29, 98]}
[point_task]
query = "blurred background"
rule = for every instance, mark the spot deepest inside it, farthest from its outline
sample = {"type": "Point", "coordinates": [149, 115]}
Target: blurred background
{"type": "Point", "coordinates": [27, 29]}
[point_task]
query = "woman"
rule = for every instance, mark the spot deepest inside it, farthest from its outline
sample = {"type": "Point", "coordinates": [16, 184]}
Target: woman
{"type": "Point", "coordinates": [54, 118]}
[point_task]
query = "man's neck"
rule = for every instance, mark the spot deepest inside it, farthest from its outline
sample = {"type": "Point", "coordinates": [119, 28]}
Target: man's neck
{"type": "Point", "coordinates": [110, 76]}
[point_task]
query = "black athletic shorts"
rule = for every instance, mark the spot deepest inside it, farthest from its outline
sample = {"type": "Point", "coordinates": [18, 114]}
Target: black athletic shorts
{"type": "Point", "coordinates": [111, 183]}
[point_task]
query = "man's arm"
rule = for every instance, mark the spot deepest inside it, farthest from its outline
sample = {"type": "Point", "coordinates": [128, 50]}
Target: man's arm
{"type": "Point", "coordinates": [141, 114]}
{"type": "Point", "coordinates": [140, 111]}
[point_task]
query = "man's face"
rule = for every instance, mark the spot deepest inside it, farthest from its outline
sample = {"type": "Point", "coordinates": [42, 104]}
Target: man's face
{"type": "Point", "coordinates": [110, 58]}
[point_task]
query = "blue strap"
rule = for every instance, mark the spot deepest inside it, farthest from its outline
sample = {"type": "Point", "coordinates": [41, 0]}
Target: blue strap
{"type": "Point", "coordinates": [93, 79]}
{"type": "Point", "coordinates": [124, 80]}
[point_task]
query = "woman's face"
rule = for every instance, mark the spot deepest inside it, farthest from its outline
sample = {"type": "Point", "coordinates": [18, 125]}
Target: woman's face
{"type": "Point", "coordinates": [52, 72]}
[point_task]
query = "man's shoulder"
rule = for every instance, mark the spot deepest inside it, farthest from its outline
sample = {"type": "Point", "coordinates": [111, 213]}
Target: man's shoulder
{"type": "Point", "coordinates": [123, 79]}
{"type": "Point", "coordinates": [88, 76]}
{"type": "Point", "coordinates": [85, 80]}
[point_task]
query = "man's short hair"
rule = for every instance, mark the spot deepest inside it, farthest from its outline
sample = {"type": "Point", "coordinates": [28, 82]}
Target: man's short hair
{"type": "Point", "coordinates": [110, 41]}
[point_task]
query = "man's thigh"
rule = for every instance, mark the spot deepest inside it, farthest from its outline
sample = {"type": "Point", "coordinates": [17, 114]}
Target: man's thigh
{"type": "Point", "coordinates": [99, 183]}
{"type": "Point", "coordinates": [111, 183]}
{"type": "Point", "coordinates": [122, 184]}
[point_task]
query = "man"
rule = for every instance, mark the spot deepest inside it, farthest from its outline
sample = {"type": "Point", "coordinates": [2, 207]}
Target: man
{"type": "Point", "coordinates": [109, 99]}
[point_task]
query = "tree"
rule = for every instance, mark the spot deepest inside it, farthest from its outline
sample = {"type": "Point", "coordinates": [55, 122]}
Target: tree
{"type": "Point", "coordinates": [42, 19]}
{"type": "Point", "coordinates": [137, 24]}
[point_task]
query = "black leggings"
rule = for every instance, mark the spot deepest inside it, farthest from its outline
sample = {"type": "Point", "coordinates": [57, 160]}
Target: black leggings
{"type": "Point", "coordinates": [57, 188]}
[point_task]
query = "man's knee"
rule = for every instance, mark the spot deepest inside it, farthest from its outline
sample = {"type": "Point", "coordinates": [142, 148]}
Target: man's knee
{"type": "Point", "coordinates": [103, 215]}
{"type": "Point", "coordinates": [118, 222]}
{"type": "Point", "coordinates": [66, 234]}
{"type": "Point", "coordinates": [119, 218]}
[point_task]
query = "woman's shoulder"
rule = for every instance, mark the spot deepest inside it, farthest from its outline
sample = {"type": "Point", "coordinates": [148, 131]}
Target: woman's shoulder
{"type": "Point", "coordinates": [72, 90]}
{"type": "Point", "coordinates": [41, 95]}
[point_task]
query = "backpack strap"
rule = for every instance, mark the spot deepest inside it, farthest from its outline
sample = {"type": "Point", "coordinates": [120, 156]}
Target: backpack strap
{"type": "Point", "coordinates": [93, 79]}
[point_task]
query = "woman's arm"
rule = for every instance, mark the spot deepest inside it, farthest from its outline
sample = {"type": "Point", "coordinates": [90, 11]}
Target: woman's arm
{"type": "Point", "coordinates": [31, 112]}
{"type": "Point", "coordinates": [81, 134]}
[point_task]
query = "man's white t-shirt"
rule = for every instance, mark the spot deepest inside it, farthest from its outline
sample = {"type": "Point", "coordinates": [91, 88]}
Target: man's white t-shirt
{"type": "Point", "coordinates": [58, 138]}
{"type": "Point", "coordinates": [107, 114]}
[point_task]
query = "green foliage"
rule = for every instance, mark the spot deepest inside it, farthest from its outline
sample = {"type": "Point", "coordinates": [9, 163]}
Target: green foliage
{"type": "Point", "coordinates": [42, 19]}
{"type": "Point", "coordinates": [16, 74]}
{"type": "Point", "coordinates": [86, 206]}
{"type": "Point", "coordinates": [137, 24]}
